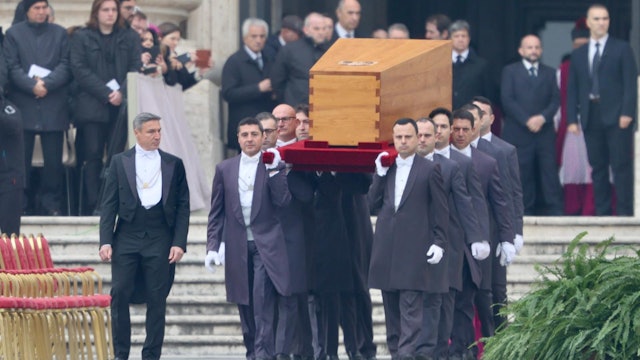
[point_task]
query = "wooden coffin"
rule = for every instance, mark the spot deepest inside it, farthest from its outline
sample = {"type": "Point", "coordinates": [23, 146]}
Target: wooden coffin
{"type": "Point", "coordinates": [360, 87]}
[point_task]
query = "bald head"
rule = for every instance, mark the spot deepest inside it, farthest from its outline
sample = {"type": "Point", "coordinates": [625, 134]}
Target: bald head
{"type": "Point", "coordinates": [530, 48]}
{"type": "Point", "coordinates": [286, 121]}
{"type": "Point", "coordinates": [348, 14]}
{"type": "Point", "coordinates": [314, 27]}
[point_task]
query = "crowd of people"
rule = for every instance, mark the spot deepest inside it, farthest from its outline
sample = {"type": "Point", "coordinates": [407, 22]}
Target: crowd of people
{"type": "Point", "coordinates": [299, 251]}
{"type": "Point", "coordinates": [70, 85]}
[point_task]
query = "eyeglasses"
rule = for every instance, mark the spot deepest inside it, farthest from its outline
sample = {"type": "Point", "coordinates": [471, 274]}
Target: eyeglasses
{"type": "Point", "coordinates": [285, 118]}
{"type": "Point", "coordinates": [269, 131]}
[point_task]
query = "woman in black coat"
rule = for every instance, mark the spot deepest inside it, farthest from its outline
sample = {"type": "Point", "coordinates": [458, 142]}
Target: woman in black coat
{"type": "Point", "coordinates": [178, 72]}
{"type": "Point", "coordinates": [102, 54]}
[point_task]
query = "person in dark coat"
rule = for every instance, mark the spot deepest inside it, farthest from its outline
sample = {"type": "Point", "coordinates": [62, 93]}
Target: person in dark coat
{"type": "Point", "coordinates": [410, 237]}
{"type": "Point", "coordinates": [12, 165]}
{"type": "Point", "coordinates": [290, 73]}
{"type": "Point", "coordinates": [471, 75]}
{"type": "Point", "coordinates": [290, 31]}
{"type": "Point", "coordinates": [102, 54]}
{"type": "Point", "coordinates": [531, 98]}
{"type": "Point", "coordinates": [603, 99]}
{"type": "Point", "coordinates": [246, 197]}
{"type": "Point", "coordinates": [246, 86]}
{"type": "Point", "coordinates": [500, 232]}
{"type": "Point", "coordinates": [178, 73]}
{"type": "Point", "coordinates": [143, 232]}
{"type": "Point", "coordinates": [468, 240]}
{"type": "Point", "coordinates": [41, 95]}
{"type": "Point", "coordinates": [462, 215]}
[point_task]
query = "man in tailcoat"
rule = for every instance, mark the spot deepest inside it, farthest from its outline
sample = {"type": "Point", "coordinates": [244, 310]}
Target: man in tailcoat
{"type": "Point", "coordinates": [410, 236]}
{"type": "Point", "coordinates": [246, 198]}
{"type": "Point", "coordinates": [143, 228]}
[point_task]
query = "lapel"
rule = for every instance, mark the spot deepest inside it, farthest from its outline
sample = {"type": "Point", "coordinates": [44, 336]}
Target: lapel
{"type": "Point", "coordinates": [234, 175]}
{"type": "Point", "coordinates": [249, 60]}
{"type": "Point", "coordinates": [410, 181]}
{"type": "Point", "coordinates": [129, 164]}
{"type": "Point", "coordinates": [258, 186]}
{"type": "Point", "coordinates": [167, 165]}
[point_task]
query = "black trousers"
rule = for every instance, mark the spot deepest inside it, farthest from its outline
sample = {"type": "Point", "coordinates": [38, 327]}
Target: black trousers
{"type": "Point", "coordinates": [286, 325]}
{"type": "Point", "coordinates": [247, 320]}
{"type": "Point", "coordinates": [150, 255]}
{"type": "Point", "coordinates": [264, 306]}
{"type": "Point", "coordinates": [52, 172]}
{"type": "Point", "coordinates": [431, 310]}
{"type": "Point", "coordinates": [303, 334]}
{"type": "Point", "coordinates": [463, 333]}
{"type": "Point", "coordinates": [445, 325]}
{"type": "Point", "coordinates": [610, 146]}
{"type": "Point", "coordinates": [403, 319]}
{"type": "Point", "coordinates": [10, 210]}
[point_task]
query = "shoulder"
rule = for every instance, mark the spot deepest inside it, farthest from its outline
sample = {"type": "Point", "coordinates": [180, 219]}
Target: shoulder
{"type": "Point", "coordinates": [168, 156]}
{"type": "Point", "coordinates": [16, 29]}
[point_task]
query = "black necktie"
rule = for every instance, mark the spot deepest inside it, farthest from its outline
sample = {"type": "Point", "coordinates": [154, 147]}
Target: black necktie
{"type": "Point", "coordinates": [595, 64]}
{"type": "Point", "coordinates": [532, 72]}
{"type": "Point", "coordinates": [458, 59]}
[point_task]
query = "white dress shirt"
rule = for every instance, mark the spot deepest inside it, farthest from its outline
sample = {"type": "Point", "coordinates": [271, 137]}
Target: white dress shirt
{"type": "Point", "coordinates": [487, 136]}
{"type": "Point", "coordinates": [445, 151]}
{"type": "Point", "coordinates": [429, 156]}
{"type": "Point", "coordinates": [148, 177]}
{"type": "Point", "coordinates": [466, 151]}
{"type": "Point", "coordinates": [342, 32]}
{"type": "Point", "coordinates": [474, 142]}
{"type": "Point", "coordinates": [403, 167]}
{"type": "Point", "coordinates": [280, 143]}
{"type": "Point", "coordinates": [528, 65]}
{"type": "Point", "coordinates": [592, 48]}
{"type": "Point", "coordinates": [246, 181]}
{"type": "Point", "coordinates": [463, 55]}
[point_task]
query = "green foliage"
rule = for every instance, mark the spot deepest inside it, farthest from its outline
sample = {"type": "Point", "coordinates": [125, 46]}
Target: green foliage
{"type": "Point", "coordinates": [586, 306]}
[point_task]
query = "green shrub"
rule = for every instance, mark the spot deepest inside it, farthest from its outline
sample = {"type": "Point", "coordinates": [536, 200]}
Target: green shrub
{"type": "Point", "coordinates": [585, 306]}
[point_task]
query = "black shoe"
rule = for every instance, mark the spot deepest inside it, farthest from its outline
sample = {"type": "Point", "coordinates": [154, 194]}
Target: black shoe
{"type": "Point", "coordinates": [283, 357]}
{"type": "Point", "coordinates": [354, 356]}
{"type": "Point", "coordinates": [372, 357]}
{"type": "Point", "coordinates": [423, 357]}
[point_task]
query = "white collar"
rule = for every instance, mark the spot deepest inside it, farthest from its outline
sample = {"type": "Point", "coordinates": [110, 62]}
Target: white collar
{"type": "Point", "coordinates": [246, 159]}
{"type": "Point", "coordinates": [488, 136]}
{"type": "Point", "coordinates": [429, 156]}
{"type": "Point", "coordinates": [465, 151]}
{"type": "Point", "coordinates": [528, 64]}
{"type": "Point", "coordinates": [464, 55]}
{"type": "Point", "coordinates": [445, 151]}
{"type": "Point", "coordinates": [146, 153]}
{"type": "Point", "coordinates": [342, 32]}
{"type": "Point", "coordinates": [474, 142]}
{"type": "Point", "coordinates": [602, 41]}
{"type": "Point", "coordinates": [251, 54]}
{"type": "Point", "coordinates": [280, 143]}
{"type": "Point", "coordinates": [400, 162]}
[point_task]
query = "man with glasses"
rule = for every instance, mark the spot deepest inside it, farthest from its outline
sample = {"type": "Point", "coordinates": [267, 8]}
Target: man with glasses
{"type": "Point", "coordinates": [270, 127]}
{"type": "Point", "coordinates": [287, 124]}
{"type": "Point", "coordinates": [127, 9]}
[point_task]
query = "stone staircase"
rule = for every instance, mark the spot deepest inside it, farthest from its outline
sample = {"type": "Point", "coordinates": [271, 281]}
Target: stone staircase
{"type": "Point", "coordinates": [200, 323]}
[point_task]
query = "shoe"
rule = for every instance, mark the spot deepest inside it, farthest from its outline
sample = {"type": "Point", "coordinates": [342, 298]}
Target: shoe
{"type": "Point", "coordinates": [283, 357]}
{"type": "Point", "coordinates": [354, 356]}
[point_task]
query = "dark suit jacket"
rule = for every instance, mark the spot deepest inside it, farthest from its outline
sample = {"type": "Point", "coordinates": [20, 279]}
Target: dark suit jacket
{"type": "Point", "coordinates": [301, 189]}
{"type": "Point", "coordinates": [524, 96]}
{"type": "Point", "coordinates": [226, 223]}
{"type": "Point", "coordinates": [499, 215]}
{"type": "Point", "coordinates": [403, 237]}
{"type": "Point", "coordinates": [617, 80]}
{"type": "Point", "coordinates": [240, 78]}
{"type": "Point", "coordinates": [471, 78]}
{"type": "Point", "coordinates": [272, 46]}
{"type": "Point", "coordinates": [121, 197]}
{"type": "Point", "coordinates": [464, 227]}
{"type": "Point", "coordinates": [511, 154]}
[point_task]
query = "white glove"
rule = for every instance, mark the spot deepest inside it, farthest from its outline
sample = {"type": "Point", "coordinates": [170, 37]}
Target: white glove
{"type": "Point", "coordinates": [507, 252]}
{"type": "Point", "coordinates": [381, 170]}
{"type": "Point", "coordinates": [221, 252]}
{"type": "Point", "coordinates": [276, 159]}
{"type": "Point", "coordinates": [480, 250]}
{"type": "Point", "coordinates": [212, 257]}
{"type": "Point", "coordinates": [434, 254]}
{"type": "Point", "coordinates": [518, 242]}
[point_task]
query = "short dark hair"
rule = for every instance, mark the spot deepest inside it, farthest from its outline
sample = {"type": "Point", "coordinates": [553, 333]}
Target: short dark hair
{"type": "Point", "coordinates": [250, 121]}
{"type": "Point", "coordinates": [303, 108]}
{"type": "Point", "coordinates": [442, 22]}
{"type": "Point", "coordinates": [472, 107]}
{"type": "Point", "coordinates": [167, 28]}
{"type": "Point", "coordinates": [441, 111]}
{"type": "Point", "coordinates": [266, 115]}
{"type": "Point", "coordinates": [405, 121]}
{"type": "Point", "coordinates": [596, 6]}
{"type": "Point", "coordinates": [481, 100]}
{"type": "Point", "coordinates": [143, 118]}
{"type": "Point", "coordinates": [464, 115]}
{"type": "Point", "coordinates": [427, 120]}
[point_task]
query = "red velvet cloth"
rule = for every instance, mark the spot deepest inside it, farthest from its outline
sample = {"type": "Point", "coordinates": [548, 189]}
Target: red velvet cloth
{"type": "Point", "coordinates": [311, 155]}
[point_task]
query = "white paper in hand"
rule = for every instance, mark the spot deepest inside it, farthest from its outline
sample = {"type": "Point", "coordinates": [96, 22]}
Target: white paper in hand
{"type": "Point", "coordinates": [38, 71]}
{"type": "Point", "coordinates": [113, 85]}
